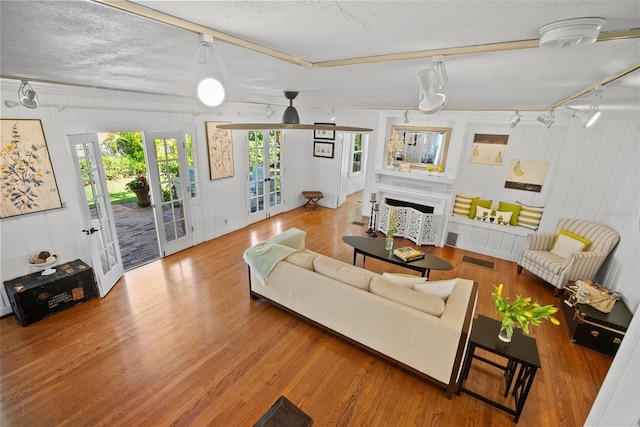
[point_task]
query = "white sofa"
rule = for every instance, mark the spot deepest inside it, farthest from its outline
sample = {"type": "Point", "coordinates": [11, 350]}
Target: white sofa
{"type": "Point", "coordinates": [386, 318]}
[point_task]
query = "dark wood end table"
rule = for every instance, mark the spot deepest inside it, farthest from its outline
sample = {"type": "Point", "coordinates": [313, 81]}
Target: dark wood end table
{"type": "Point", "coordinates": [374, 248]}
{"type": "Point", "coordinates": [521, 352]}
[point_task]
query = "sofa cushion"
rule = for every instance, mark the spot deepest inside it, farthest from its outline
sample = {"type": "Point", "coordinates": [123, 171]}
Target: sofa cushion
{"type": "Point", "coordinates": [462, 204]}
{"type": "Point", "coordinates": [584, 240]}
{"type": "Point", "coordinates": [530, 216]}
{"type": "Point", "coordinates": [302, 259]}
{"type": "Point", "coordinates": [437, 288]}
{"type": "Point", "coordinates": [406, 280]}
{"type": "Point", "coordinates": [343, 272]}
{"type": "Point", "coordinates": [427, 303]}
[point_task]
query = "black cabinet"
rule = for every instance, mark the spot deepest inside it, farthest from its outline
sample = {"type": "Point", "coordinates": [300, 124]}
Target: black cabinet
{"type": "Point", "coordinates": [591, 328]}
{"type": "Point", "coordinates": [34, 297]}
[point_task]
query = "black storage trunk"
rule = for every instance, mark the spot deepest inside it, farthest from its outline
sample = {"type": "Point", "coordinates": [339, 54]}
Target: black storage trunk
{"type": "Point", "coordinates": [34, 297]}
{"type": "Point", "coordinates": [591, 328]}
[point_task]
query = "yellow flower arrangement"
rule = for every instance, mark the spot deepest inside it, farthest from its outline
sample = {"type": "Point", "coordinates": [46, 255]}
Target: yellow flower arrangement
{"type": "Point", "coordinates": [521, 312]}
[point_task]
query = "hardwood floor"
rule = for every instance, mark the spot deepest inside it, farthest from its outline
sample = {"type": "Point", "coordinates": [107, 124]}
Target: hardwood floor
{"type": "Point", "coordinates": [179, 342]}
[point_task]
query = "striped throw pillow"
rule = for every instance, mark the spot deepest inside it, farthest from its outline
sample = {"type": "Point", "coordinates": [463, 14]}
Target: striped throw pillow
{"type": "Point", "coordinates": [462, 205]}
{"type": "Point", "coordinates": [530, 216]}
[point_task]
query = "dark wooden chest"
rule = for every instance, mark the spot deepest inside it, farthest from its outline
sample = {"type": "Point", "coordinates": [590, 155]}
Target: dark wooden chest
{"type": "Point", "coordinates": [591, 328]}
{"type": "Point", "coordinates": [34, 297]}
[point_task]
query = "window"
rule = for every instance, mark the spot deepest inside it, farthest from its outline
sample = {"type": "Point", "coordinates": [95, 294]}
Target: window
{"type": "Point", "coordinates": [356, 157]}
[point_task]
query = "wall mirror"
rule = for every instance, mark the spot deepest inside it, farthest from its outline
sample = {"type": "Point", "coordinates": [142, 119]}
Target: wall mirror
{"type": "Point", "coordinates": [421, 147]}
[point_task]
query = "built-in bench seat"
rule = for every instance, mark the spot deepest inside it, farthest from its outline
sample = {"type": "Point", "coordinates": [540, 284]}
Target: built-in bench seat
{"type": "Point", "coordinates": [500, 241]}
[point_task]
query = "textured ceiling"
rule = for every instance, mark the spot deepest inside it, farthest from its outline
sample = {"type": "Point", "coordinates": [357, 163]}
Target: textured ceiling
{"type": "Point", "coordinates": [94, 44]}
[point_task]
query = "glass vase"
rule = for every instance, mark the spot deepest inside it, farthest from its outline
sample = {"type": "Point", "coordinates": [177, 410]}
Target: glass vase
{"type": "Point", "coordinates": [388, 243]}
{"type": "Point", "coordinates": [505, 333]}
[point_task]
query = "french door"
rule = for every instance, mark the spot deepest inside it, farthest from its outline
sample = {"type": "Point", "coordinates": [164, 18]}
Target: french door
{"type": "Point", "coordinates": [265, 177]}
{"type": "Point", "coordinates": [170, 189]}
{"type": "Point", "coordinates": [99, 226]}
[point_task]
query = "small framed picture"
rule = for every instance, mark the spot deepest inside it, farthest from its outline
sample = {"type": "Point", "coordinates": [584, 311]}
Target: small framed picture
{"type": "Point", "coordinates": [324, 134]}
{"type": "Point", "coordinates": [323, 149]}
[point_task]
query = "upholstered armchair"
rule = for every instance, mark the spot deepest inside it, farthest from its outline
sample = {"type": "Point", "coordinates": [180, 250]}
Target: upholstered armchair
{"type": "Point", "coordinates": [537, 257]}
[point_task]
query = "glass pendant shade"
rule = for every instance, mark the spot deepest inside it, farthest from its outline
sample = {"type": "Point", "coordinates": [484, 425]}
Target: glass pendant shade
{"type": "Point", "coordinates": [211, 92]}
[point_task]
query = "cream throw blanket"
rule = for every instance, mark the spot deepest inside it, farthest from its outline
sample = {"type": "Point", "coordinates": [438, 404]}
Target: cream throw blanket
{"type": "Point", "coordinates": [263, 257]}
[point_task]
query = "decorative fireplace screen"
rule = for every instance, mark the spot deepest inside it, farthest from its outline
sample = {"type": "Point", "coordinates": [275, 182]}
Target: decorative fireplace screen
{"type": "Point", "coordinates": [419, 227]}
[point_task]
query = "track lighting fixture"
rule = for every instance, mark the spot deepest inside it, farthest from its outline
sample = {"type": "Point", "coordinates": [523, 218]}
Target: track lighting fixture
{"type": "Point", "coordinates": [434, 87]}
{"type": "Point", "coordinates": [210, 89]}
{"type": "Point", "coordinates": [332, 115]}
{"type": "Point", "coordinates": [547, 120]}
{"type": "Point", "coordinates": [269, 112]}
{"type": "Point", "coordinates": [588, 118]}
{"type": "Point", "coordinates": [27, 96]}
{"type": "Point", "coordinates": [515, 119]}
{"type": "Point", "coordinates": [407, 116]}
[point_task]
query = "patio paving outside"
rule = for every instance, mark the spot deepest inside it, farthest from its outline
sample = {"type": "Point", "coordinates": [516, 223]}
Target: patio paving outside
{"type": "Point", "coordinates": [136, 234]}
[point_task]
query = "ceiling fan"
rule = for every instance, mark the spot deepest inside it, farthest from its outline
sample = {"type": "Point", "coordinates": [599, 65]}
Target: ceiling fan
{"type": "Point", "coordinates": [291, 120]}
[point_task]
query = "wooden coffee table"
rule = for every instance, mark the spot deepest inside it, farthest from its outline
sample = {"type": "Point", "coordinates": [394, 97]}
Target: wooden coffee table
{"type": "Point", "coordinates": [374, 248]}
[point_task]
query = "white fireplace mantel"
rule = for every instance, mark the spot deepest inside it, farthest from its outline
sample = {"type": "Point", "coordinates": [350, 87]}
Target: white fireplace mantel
{"type": "Point", "coordinates": [415, 179]}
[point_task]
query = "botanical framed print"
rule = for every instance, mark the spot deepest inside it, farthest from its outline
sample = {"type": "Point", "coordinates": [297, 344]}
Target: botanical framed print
{"type": "Point", "coordinates": [324, 134]}
{"type": "Point", "coordinates": [488, 149]}
{"type": "Point", "coordinates": [323, 149]}
{"type": "Point", "coordinates": [27, 181]}
{"type": "Point", "coordinates": [220, 149]}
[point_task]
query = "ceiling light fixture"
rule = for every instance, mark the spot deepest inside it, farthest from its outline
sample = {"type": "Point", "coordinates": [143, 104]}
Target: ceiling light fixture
{"type": "Point", "coordinates": [269, 112]}
{"type": "Point", "coordinates": [407, 116]}
{"type": "Point", "coordinates": [570, 32]}
{"type": "Point", "coordinates": [332, 116]}
{"type": "Point", "coordinates": [27, 96]}
{"type": "Point", "coordinates": [290, 116]}
{"type": "Point", "coordinates": [210, 89]}
{"type": "Point", "coordinates": [547, 120]}
{"type": "Point", "coordinates": [434, 86]}
{"type": "Point", "coordinates": [515, 119]}
{"type": "Point", "coordinates": [588, 118]}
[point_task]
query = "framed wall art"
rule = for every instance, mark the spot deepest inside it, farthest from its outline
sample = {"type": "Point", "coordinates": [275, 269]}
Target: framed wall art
{"type": "Point", "coordinates": [526, 175]}
{"type": "Point", "coordinates": [220, 149]}
{"type": "Point", "coordinates": [323, 149]}
{"type": "Point", "coordinates": [488, 149]}
{"type": "Point", "coordinates": [324, 134]}
{"type": "Point", "coordinates": [27, 181]}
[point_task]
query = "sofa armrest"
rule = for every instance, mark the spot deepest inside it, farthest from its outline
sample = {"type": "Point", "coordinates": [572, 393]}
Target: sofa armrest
{"type": "Point", "coordinates": [539, 241]}
{"type": "Point", "coordinates": [582, 265]}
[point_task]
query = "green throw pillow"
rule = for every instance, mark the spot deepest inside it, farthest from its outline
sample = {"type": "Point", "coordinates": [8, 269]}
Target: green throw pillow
{"type": "Point", "coordinates": [475, 202]}
{"type": "Point", "coordinates": [511, 207]}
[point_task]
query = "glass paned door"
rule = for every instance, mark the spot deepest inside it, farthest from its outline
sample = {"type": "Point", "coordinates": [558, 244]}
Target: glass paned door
{"type": "Point", "coordinates": [171, 189]}
{"type": "Point", "coordinates": [99, 225]}
{"type": "Point", "coordinates": [265, 174]}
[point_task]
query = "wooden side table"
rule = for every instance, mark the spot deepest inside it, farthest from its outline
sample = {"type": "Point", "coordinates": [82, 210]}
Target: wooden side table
{"type": "Point", "coordinates": [523, 362]}
{"type": "Point", "coordinates": [312, 199]}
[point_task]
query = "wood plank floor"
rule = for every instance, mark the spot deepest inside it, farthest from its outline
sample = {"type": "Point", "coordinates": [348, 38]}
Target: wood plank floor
{"type": "Point", "coordinates": [179, 342]}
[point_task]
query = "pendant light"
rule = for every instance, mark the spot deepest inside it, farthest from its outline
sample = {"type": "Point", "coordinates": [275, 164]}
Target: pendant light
{"type": "Point", "coordinates": [434, 87]}
{"type": "Point", "coordinates": [210, 89]}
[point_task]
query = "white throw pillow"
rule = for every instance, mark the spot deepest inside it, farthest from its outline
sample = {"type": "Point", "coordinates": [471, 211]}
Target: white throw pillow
{"type": "Point", "coordinates": [438, 288]}
{"type": "Point", "coordinates": [480, 211]}
{"type": "Point", "coordinates": [506, 216]}
{"type": "Point", "coordinates": [565, 246]}
{"type": "Point", "coordinates": [406, 280]}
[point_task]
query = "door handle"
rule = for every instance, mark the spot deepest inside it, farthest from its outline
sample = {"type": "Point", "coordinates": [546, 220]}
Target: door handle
{"type": "Point", "coordinates": [91, 230]}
